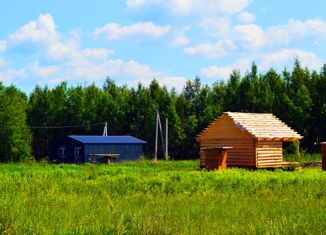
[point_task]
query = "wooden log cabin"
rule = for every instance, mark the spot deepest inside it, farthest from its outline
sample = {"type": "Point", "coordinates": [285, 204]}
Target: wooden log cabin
{"type": "Point", "coordinates": [256, 139]}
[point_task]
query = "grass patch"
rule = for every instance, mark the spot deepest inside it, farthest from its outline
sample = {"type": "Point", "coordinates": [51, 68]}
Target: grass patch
{"type": "Point", "coordinates": [304, 157]}
{"type": "Point", "coordinates": [159, 198]}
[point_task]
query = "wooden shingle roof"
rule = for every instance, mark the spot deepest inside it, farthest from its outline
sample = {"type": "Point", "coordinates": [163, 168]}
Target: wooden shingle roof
{"type": "Point", "coordinates": [261, 125]}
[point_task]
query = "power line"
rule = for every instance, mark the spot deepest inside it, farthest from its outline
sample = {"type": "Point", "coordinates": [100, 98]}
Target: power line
{"type": "Point", "coordinates": [54, 127]}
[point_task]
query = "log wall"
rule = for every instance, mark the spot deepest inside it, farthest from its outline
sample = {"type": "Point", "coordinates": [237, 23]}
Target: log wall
{"type": "Point", "coordinates": [242, 154]}
{"type": "Point", "coordinates": [269, 154]}
{"type": "Point", "coordinates": [225, 133]}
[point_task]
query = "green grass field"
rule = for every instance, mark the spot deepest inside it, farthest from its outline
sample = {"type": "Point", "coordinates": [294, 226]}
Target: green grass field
{"type": "Point", "coordinates": [162, 198]}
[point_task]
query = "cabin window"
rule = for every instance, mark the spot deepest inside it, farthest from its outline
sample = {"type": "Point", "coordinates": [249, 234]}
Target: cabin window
{"type": "Point", "coordinates": [77, 151]}
{"type": "Point", "coordinates": [62, 152]}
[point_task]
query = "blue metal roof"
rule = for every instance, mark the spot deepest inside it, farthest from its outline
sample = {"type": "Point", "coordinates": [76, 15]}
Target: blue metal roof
{"type": "Point", "coordinates": [93, 139]}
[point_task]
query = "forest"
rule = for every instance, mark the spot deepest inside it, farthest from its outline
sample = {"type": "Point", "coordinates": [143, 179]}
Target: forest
{"type": "Point", "coordinates": [297, 97]}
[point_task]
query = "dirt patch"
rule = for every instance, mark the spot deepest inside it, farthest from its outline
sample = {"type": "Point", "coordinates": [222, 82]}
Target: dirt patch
{"type": "Point", "coordinates": [312, 164]}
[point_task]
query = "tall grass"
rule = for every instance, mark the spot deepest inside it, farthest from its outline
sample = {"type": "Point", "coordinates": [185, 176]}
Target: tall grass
{"type": "Point", "coordinates": [159, 198]}
{"type": "Point", "coordinates": [304, 157]}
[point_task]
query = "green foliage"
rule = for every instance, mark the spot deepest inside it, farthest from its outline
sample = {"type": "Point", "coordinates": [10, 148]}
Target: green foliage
{"type": "Point", "coordinates": [15, 138]}
{"type": "Point", "coordinates": [159, 198]}
{"type": "Point", "coordinates": [297, 97]}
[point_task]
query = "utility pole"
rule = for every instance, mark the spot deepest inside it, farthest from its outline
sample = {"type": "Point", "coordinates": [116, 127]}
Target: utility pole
{"type": "Point", "coordinates": [166, 140]}
{"type": "Point", "coordinates": [105, 131]}
{"type": "Point", "coordinates": [156, 136]}
{"type": "Point", "coordinates": [161, 132]}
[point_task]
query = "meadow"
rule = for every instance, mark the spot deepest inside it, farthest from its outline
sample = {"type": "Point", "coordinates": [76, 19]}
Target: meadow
{"type": "Point", "coordinates": [172, 197]}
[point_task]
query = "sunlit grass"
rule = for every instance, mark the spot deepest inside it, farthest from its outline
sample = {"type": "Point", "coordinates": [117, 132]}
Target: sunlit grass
{"type": "Point", "coordinates": [159, 198]}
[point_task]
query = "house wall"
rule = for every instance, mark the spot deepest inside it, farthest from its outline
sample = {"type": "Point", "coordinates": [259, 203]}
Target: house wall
{"type": "Point", "coordinates": [128, 152]}
{"type": "Point", "coordinates": [69, 145]}
{"type": "Point", "coordinates": [269, 154]}
{"type": "Point", "coordinates": [242, 154]}
{"type": "Point", "coordinates": [225, 133]}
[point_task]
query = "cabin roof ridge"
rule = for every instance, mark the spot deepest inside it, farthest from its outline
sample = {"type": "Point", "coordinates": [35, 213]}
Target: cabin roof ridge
{"type": "Point", "coordinates": [259, 125]}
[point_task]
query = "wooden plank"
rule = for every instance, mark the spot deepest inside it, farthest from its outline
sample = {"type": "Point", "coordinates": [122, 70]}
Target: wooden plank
{"type": "Point", "coordinates": [223, 127]}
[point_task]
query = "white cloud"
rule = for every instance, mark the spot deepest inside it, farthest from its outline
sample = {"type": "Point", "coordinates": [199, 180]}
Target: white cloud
{"type": "Point", "coordinates": [60, 50]}
{"type": "Point", "coordinates": [246, 17]}
{"type": "Point", "coordinates": [8, 76]}
{"type": "Point", "coordinates": [216, 72]}
{"type": "Point", "coordinates": [43, 71]}
{"type": "Point", "coordinates": [296, 29]}
{"type": "Point", "coordinates": [134, 69]}
{"type": "Point", "coordinates": [232, 6]}
{"type": "Point", "coordinates": [126, 72]}
{"type": "Point", "coordinates": [3, 46]}
{"type": "Point", "coordinates": [253, 39]}
{"type": "Point", "coordinates": [284, 57]}
{"type": "Point", "coordinates": [97, 53]}
{"type": "Point", "coordinates": [90, 70]}
{"type": "Point", "coordinates": [2, 62]}
{"type": "Point", "coordinates": [136, 3]}
{"type": "Point", "coordinates": [216, 26]}
{"type": "Point", "coordinates": [251, 36]}
{"type": "Point", "coordinates": [277, 60]}
{"type": "Point", "coordinates": [41, 30]}
{"type": "Point", "coordinates": [63, 59]}
{"type": "Point", "coordinates": [177, 82]}
{"type": "Point", "coordinates": [219, 49]}
{"type": "Point", "coordinates": [223, 72]}
{"type": "Point", "coordinates": [186, 7]}
{"type": "Point", "coordinates": [180, 41]}
{"type": "Point", "coordinates": [115, 31]}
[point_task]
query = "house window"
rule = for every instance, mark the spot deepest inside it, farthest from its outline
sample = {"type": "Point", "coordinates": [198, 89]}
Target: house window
{"type": "Point", "coordinates": [62, 152]}
{"type": "Point", "coordinates": [77, 151]}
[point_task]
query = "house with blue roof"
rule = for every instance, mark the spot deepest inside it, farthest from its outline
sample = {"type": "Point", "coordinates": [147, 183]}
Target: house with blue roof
{"type": "Point", "coordinates": [80, 149]}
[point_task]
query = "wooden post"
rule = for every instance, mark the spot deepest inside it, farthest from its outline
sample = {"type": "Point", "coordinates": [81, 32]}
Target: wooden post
{"type": "Point", "coordinates": [323, 150]}
{"type": "Point", "coordinates": [297, 157]}
{"type": "Point", "coordinates": [166, 140]}
{"type": "Point", "coordinates": [223, 158]}
{"type": "Point", "coordinates": [216, 158]}
{"type": "Point", "coordinates": [156, 135]}
{"type": "Point", "coordinates": [105, 131]}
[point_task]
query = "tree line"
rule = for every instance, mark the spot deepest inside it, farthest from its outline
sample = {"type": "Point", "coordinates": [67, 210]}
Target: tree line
{"type": "Point", "coordinates": [297, 97]}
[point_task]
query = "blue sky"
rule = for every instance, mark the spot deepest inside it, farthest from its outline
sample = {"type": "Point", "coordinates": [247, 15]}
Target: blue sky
{"type": "Point", "coordinates": [46, 42]}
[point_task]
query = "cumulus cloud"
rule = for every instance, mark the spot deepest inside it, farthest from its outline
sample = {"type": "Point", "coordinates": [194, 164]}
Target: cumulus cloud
{"type": "Point", "coordinates": [136, 3]}
{"type": "Point", "coordinates": [277, 60]}
{"type": "Point", "coordinates": [296, 29]}
{"type": "Point", "coordinates": [43, 71]}
{"type": "Point", "coordinates": [186, 7]}
{"type": "Point", "coordinates": [180, 41]}
{"type": "Point", "coordinates": [216, 26]}
{"type": "Point", "coordinates": [251, 36]}
{"type": "Point", "coordinates": [60, 50]}
{"type": "Point", "coordinates": [223, 72]}
{"type": "Point", "coordinates": [61, 58]}
{"type": "Point", "coordinates": [3, 46]}
{"type": "Point", "coordinates": [246, 17]}
{"type": "Point", "coordinates": [2, 62]}
{"type": "Point", "coordinates": [8, 76]}
{"type": "Point", "coordinates": [97, 53]}
{"type": "Point", "coordinates": [219, 49]}
{"type": "Point", "coordinates": [177, 82]}
{"type": "Point", "coordinates": [129, 72]}
{"type": "Point", "coordinates": [284, 57]}
{"type": "Point", "coordinates": [41, 30]}
{"type": "Point", "coordinates": [115, 31]}
{"type": "Point", "coordinates": [216, 72]}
